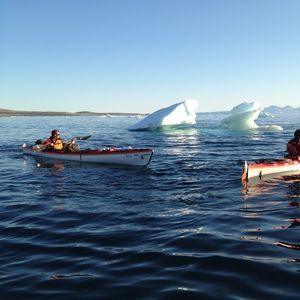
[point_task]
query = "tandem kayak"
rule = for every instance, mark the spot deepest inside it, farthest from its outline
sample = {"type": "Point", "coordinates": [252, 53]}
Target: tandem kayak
{"type": "Point", "coordinates": [120, 156]}
{"type": "Point", "coordinates": [267, 168]}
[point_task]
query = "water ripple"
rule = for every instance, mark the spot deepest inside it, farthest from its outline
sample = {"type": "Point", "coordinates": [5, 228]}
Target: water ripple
{"type": "Point", "coordinates": [184, 227]}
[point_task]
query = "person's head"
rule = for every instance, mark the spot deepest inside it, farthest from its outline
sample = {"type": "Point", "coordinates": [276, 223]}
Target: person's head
{"type": "Point", "coordinates": [297, 134]}
{"type": "Point", "coordinates": [55, 133]}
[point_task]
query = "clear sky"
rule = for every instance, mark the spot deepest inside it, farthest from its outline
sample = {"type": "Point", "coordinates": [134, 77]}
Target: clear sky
{"type": "Point", "coordinates": [142, 55]}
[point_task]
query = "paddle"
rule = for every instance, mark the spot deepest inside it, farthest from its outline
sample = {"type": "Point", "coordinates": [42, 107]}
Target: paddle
{"type": "Point", "coordinates": [41, 147]}
{"type": "Point", "coordinates": [82, 138]}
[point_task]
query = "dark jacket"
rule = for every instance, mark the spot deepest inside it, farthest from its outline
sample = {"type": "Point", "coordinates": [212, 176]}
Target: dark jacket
{"type": "Point", "coordinates": [293, 148]}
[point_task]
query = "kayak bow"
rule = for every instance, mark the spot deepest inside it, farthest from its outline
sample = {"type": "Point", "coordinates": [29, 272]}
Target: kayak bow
{"type": "Point", "coordinates": [260, 169]}
{"type": "Point", "coordinates": [120, 156]}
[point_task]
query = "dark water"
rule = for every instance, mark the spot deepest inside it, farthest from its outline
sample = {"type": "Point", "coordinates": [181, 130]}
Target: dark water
{"type": "Point", "coordinates": [182, 228]}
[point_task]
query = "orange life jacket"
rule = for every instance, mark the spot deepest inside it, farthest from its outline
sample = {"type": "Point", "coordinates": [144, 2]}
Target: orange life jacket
{"type": "Point", "coordinates": [57, 143]}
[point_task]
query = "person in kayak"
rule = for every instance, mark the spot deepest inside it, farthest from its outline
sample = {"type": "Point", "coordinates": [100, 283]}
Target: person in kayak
{"type": "Point", "coordinates": [293, 146]}
{"type": "Point", "coordinates": [54, 142]}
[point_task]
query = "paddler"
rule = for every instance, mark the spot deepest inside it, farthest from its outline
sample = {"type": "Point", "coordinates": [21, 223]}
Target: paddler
{"type": "Point", "coordinates": [293, 146]}
{"type": "Point", "coordinates": [55, 142]}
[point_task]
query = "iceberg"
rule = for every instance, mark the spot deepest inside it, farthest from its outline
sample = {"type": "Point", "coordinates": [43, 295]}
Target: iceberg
{"type": "Point", "coordinates": [243, 117]}
{"type": "Point", "coordinates": [265, 115]}
{"type": "Point", "coordinates": [182, 113]}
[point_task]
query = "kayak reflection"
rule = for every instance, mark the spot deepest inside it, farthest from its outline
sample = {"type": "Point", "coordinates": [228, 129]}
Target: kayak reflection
{"type": "Point", "coordinates": [58, 166]}
{"type": "Point", "coordinates": [61, 165]}
{"type": "Point", "coordinates": [257, 190]}
{"type": "Point", "coordinates": [259, 186]}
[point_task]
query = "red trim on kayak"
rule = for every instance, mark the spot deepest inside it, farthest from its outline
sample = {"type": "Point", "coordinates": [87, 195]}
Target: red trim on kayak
{"type": "Point", "coordinates": [108, 151]}
{"type": "Point", "coordinates": [114, 151]}
{"type": "Point", "coordinates": [274, 164]}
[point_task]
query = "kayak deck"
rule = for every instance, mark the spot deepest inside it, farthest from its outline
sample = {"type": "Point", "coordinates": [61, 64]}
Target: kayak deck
{"type": "Point", "coordinates": [251, 170]}
{"type": "Point", "coordinates": [123, 156]}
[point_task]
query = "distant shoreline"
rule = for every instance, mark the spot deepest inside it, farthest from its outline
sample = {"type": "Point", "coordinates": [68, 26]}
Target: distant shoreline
{"type": "Point", "coordinates": [15, 113]}
{"type": "Point", "coordinates": [273, 109]}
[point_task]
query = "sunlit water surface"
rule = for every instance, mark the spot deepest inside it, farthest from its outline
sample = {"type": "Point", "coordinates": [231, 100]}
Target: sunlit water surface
{"type": "Point", "coordinates": [183, 227]}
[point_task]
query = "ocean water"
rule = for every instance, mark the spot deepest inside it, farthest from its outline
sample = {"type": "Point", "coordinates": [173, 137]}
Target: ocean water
{"type": "Point", "coordinates": [182, 228]}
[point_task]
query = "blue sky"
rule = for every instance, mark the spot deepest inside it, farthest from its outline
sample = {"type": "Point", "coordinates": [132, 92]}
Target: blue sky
{"type": "Point", "coordinates": [142, 55]}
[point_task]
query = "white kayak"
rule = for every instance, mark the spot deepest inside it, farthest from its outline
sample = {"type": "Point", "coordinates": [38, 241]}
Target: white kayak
{"type": "Point", "coordinates": [120, 156]}
{"type": "Point", "coordinates": [267, 168]}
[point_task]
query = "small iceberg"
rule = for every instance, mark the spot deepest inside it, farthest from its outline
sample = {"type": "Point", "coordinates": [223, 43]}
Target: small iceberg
{"type": "Point", "coordinates": [243, 117]}
{"type": "Point", "coordinates": [182, 113]}
{"type": "Point", "coordinates": [265, 115]}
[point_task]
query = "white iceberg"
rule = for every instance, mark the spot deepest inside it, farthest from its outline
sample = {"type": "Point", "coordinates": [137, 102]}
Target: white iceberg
{"type": "Point", "coordinates": [243, 117]}
{"type": "Point", "coordinates": [182, 113]}
{"type": "Point", "coordinates": [265, 115]}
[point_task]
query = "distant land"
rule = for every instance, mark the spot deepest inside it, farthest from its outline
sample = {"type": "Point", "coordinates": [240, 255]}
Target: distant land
{"type": "Point", "coordinates": [10, 113]}
{"type": "Point", "coordinates": [273, 109]}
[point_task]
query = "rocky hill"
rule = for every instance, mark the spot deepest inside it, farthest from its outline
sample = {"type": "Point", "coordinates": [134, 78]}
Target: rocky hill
{"type": "Point", "coordinates": [8, 113]}
{"type": "Point", "coordinates": [273, 109]}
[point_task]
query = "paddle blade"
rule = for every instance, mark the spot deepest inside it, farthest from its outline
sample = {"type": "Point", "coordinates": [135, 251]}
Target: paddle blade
{"type": "Point", "coordinates": [83, 138]}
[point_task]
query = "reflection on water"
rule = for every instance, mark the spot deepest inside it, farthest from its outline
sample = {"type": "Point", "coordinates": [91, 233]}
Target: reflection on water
{"type": "Point", "coordinates": [174, 130]}
{"type": "Point", "coordinates": [255, 206]}
{"type": "Point", "coordinates": [294, 189]}
{"type": "Point", "coordinates": [295, 204]}
{"type": "Point", "coordinates": [288, 245]}
{"type": "Point", "coordinates": [254, 189]}
{"type": "Point", "coordinates": [55, 165]}
{"type": "Point", "coordinates": [295, 223]}
{"type": "Point", "coordinates": [182, 142]}
{"type": "Point", "coordinates": [60, 165]}
{"type": "Point", "coordinates": [265, 185]}
{"type": "Point", "coordinates": [182, 223]}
